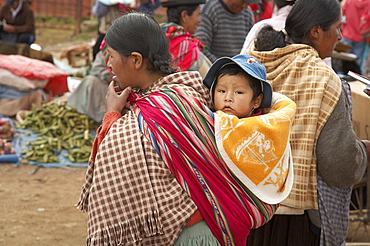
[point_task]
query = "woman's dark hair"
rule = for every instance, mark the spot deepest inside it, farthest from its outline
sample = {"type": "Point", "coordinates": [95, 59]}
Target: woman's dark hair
{"type": "Point", "coordinates": [234, 69]}
{"type": "Point", "coordinates": [304, 15]}
{"type": "Point", "coordinates": [283, 3]}
{"type": "Point", "coordinates": [174, 13]}
{"type": "Point", "coordinates": [139, 32]}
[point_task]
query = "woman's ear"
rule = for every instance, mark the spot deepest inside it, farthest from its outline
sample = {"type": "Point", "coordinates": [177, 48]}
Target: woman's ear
{"type": "Point", "coordinates": [315, 32]}
{"type": "Point", "coordinates": [137, 59]}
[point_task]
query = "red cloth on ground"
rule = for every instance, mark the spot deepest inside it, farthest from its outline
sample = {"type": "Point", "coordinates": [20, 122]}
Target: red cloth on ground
{"type": "Point", "coordinates": [36, 69]}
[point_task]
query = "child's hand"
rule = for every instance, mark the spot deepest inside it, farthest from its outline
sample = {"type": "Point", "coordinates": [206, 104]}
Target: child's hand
{"type": "Point", "coordinates": [115, 99]}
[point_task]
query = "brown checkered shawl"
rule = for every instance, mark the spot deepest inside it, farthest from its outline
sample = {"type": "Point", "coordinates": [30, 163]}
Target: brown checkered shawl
{"type": "Point", "coordinates": [129, 194]}
{"type": "Point", "coordinates": [299, 73]}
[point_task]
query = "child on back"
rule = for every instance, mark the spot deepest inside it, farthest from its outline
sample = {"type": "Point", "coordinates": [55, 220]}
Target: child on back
{"type": "Point", "coordinates": [252, 147]}
{"type": "Point", "coordinates": [238, 86]}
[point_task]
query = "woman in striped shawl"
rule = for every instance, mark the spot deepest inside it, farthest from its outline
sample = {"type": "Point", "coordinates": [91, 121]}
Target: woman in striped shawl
{"type": "Point", "coordinates": [155, 175]}
{"type": "Point", "coordinates": [183, 18]}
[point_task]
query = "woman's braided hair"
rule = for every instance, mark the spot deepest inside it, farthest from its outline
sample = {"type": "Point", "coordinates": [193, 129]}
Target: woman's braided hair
{"type": "Point", "coordinates": [139, 32]}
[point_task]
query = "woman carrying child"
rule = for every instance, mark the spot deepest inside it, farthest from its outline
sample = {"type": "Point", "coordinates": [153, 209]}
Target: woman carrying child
{"type": "Point", "coordinates": [155, 175]}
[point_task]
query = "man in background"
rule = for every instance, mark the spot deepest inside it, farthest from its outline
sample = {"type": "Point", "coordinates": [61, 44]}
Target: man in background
{"type": "Point", "coordinates": [17, 22]}
{"type": "Point", "coordinates": [224, 26]}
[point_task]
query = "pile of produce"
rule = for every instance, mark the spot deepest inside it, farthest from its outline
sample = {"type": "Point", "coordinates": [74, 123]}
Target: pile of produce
{"type": "Point", "coordinates": [6, 135]}
{"type": "Point", "coordinates": [59, 127]}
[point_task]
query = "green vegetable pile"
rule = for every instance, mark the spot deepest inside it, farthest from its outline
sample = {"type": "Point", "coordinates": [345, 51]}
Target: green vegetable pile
{"type": "Point", "coordinates": [60, 127]}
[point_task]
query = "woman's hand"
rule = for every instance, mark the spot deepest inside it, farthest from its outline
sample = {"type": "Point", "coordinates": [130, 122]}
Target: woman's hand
{"type": "Point", "coordinates": [115, 99]}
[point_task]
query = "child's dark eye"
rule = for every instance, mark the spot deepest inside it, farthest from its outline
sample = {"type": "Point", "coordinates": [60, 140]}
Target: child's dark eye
{"type": "Point", "coordinates": [239, 92]}
{"type": "Point", "coordinates": [222, 91]}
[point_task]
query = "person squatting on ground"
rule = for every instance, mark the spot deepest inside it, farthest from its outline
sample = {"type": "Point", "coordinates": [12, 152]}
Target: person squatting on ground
{"type": "Point", "coordinates": [89, 97]}
{"type": "Point", "coordinates": [327, 157]}
{"type": "Point", "coordinates": [17, 22]}
{"type": "Point", "coordinates": [155, 175]}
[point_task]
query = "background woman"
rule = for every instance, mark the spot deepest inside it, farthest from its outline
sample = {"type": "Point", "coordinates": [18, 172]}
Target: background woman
{"type": "Point", "coordinates": [183, 18]}
{"type": "Point", "coordinates": [327, 158]}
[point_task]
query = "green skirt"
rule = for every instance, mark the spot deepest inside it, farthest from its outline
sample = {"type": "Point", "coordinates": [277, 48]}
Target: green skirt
{"type": "Point", "coordinates": [198, 234]}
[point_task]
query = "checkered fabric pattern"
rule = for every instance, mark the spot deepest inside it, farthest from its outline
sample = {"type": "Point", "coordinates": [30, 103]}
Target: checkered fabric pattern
{"type": "Point", "coordinates": [129, 194]}
{"type": "Point", "coordinates": [334, 209]}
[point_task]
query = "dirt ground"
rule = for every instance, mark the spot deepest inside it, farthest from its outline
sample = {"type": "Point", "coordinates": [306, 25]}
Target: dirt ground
{"type": "Point", "coordinates": [38, 209]}
{"type": "Point", "coordinates": [37, 206]}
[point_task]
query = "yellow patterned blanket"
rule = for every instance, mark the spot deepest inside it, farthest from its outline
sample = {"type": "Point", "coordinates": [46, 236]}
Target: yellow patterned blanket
{"type": "Point", "coordinates": [257, 150]}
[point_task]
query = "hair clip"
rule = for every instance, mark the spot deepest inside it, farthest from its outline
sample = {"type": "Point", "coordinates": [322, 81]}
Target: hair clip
{"type": "Point", "coordinates": [285, 34]}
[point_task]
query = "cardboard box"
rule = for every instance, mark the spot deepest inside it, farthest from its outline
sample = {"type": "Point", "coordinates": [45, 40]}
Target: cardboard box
{"type": "Point", "coordinates": [79, 58]}
{"type": "Point", "coordinates": [360, 111]}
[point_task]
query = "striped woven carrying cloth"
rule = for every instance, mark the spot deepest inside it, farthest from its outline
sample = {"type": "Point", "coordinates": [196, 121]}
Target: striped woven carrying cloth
{"type": "Point", "coordinates": [182, 132]}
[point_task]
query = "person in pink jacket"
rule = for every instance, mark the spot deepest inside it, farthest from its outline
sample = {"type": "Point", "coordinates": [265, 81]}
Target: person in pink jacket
{"type": "Point", "coordinates": [352, 12]}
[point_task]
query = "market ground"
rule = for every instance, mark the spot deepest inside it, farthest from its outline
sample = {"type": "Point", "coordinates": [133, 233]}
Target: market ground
{"type": "Point", "coordinates": [37, 208]}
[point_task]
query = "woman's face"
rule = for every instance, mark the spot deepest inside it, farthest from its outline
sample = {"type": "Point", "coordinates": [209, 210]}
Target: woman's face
{"type": "Point", "coordinates": [327, 42]}
{"type": "Point", "coordinates": [120, 68]}
{"type": "Point", "coordinates": [190, 22]}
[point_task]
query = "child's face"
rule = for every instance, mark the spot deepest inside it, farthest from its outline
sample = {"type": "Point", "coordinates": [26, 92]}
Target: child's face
{"type": "Point", "coordinates": [233, 95]}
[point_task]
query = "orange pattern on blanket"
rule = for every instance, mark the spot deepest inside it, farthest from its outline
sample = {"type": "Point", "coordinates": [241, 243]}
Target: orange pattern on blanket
{"type": "Point", "coordinates": [258, 146]}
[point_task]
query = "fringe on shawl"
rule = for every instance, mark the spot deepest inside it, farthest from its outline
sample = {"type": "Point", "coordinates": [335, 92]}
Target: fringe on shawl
{"type": "Point", "coordinates": [83, 202]}
{"type": "Point", "coordinates": [130, 231]}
